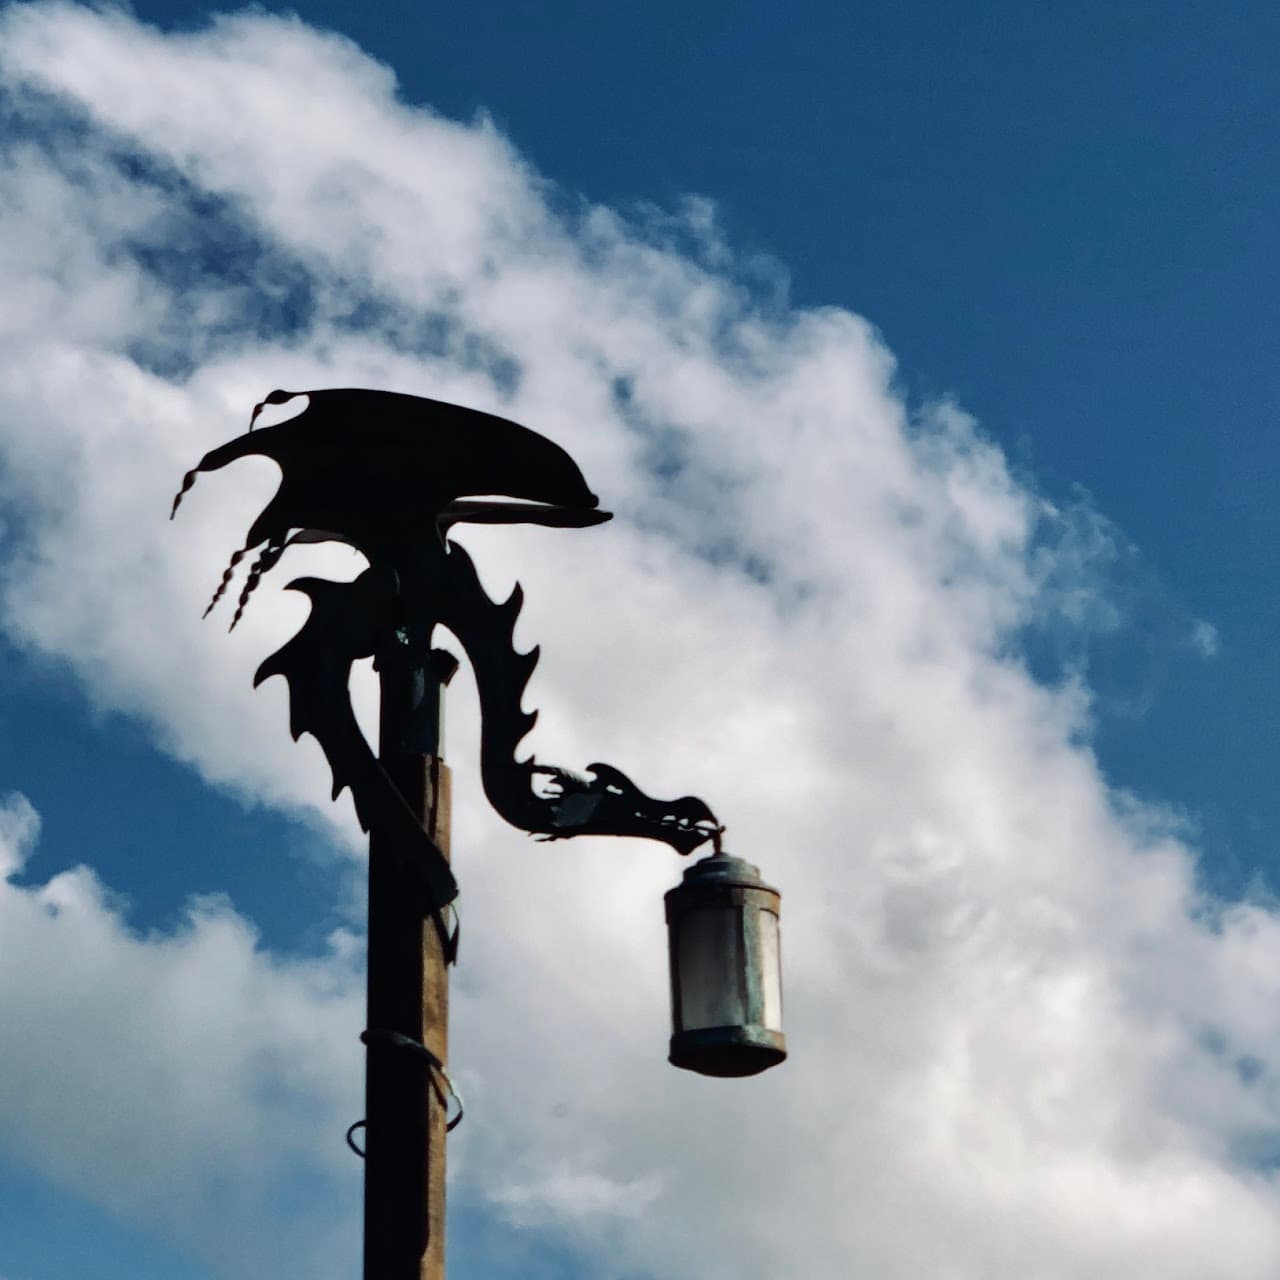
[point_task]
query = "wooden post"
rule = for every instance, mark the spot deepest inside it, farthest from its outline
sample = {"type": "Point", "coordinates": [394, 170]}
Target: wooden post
{"type": "Point", "coordinates": [408, 994]}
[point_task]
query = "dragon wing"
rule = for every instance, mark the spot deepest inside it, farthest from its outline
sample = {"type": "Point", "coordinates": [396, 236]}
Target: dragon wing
{"type": "Point", "coordinates": [349, 621]}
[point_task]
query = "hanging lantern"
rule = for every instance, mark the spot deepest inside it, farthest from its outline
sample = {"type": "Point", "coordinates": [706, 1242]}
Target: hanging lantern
{"type": "Point", "coordinates": [726, 973]}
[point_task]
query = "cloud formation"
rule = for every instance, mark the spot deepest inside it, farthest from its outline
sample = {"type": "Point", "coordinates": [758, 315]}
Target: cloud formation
{"type": "Point", "coordinates": [1022, 1042]}
{"type": "Point", "coordinates": [186, 1080]}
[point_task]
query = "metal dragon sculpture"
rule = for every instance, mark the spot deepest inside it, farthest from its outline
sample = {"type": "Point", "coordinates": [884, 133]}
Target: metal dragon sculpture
{"type": "Point", "coordinates": [391, 475]}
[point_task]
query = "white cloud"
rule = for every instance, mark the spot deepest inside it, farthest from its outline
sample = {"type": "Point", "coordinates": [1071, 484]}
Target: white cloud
{"type": "Point", "coordinates": [564, 1194]}
{"type": "Point", "coordinates": [187, 1080]}
{"type": "Point", "coordinates": [1021, 1044]}
{"type": "Point", "coordinates": [1205, 639]}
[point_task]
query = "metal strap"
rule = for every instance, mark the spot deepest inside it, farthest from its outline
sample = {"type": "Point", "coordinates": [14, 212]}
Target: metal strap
{"type": "Point", "coordinates": [438, 1074]}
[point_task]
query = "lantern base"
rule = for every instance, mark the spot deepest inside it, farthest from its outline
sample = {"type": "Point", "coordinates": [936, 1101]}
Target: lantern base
{"type": "Point", "coordinates": [727, 1051]}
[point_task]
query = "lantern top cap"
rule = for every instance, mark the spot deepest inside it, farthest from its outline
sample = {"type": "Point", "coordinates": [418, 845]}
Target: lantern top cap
{"type": "Point", "coordinates": [721, 869]}
{"type": "Point", "coordinates": [723, 866]}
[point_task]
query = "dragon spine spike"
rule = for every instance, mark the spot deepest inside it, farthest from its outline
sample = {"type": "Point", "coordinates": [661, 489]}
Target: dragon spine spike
{"type": "Point", "coordinates": [272, 397]}
{"type": "Point", "coordinates": [227, 574]}
{"type": "Point", "coordinates": [187, 482]}
{"type": "Point", "coordinates": [263, 564]}
{"type": "Point", "coordinates": [268, 667]}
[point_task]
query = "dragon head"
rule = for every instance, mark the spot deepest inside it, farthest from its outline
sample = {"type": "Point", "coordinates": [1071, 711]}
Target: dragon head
{"type": "Point", "coordinates": [379, 468]}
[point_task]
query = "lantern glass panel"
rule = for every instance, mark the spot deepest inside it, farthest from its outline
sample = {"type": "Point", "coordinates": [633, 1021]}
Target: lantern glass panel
{"type": "Point", "coordinates": [771, 971]}
{"type": "Point", "coordinates": [710, 967]}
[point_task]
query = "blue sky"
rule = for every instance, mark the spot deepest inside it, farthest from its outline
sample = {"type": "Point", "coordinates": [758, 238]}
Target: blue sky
{"type": "Point", "coordinates": [960, 324]}
{"type": "Point", "coordinates": [1061, 218]}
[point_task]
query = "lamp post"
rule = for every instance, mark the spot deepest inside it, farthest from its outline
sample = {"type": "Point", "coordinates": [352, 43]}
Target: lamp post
{"type": "Point", "coordinates": [392, 475]}
{"type": "Point", "coordinates": [406, 1112]}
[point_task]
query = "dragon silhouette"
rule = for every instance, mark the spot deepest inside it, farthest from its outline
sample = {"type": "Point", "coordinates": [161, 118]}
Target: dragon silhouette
{"type": "Point", "coordinates": [391, 475]}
